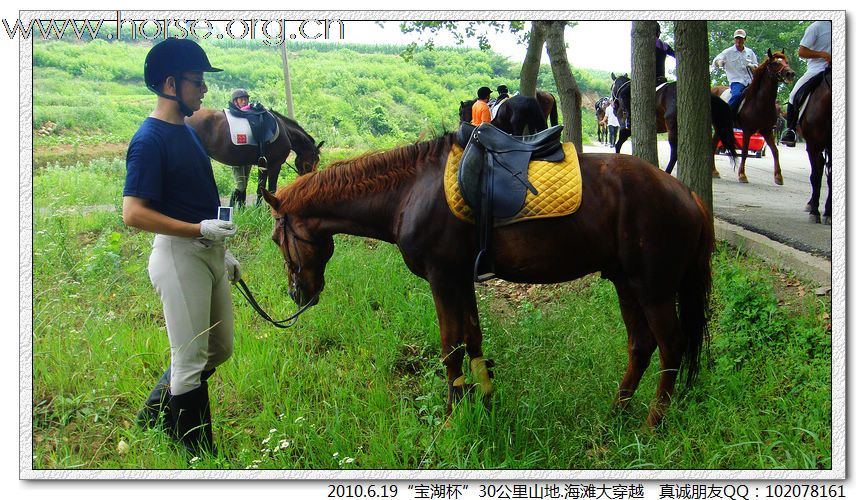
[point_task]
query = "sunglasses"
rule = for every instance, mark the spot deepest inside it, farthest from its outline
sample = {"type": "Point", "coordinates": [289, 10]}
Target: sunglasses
{"type": "Point", "coordinates": [196, 83]}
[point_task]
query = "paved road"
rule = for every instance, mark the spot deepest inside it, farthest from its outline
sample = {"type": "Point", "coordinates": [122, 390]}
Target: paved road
{"type": "Point", "coordinates": [761, 206]}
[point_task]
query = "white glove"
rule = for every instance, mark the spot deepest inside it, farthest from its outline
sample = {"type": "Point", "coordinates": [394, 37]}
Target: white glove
{"type": "Point", "coordinates": [720, 63]}
{"type": "Point", "coordinates": [232, 267]}
{"type": "Point", "coordinates": [217, 230]}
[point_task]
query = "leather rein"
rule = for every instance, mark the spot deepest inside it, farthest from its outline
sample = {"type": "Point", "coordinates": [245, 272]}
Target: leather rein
{"type": "Point", "coordinates": [247, 293]}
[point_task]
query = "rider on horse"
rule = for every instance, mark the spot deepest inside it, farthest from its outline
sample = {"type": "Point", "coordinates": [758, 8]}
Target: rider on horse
{"type": "Point", "coordinates": [738, 61]}
{"type": "Point", "coordinates": [480, 109]}
{"type": "Point", "coordinates": [662, 50]}
{"type": "Point", "coordinates": [816, 47]}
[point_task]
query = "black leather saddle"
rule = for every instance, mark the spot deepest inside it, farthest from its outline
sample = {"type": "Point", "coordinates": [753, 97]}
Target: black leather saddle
{"type": "Point", "coordinates": [263, 125]}
{"type": "Point", "coordinates": [493, 177]}
{"type": "Point", "coordinates": [809, 87]}
{"type": "Point", "coordinates": [502, 160]}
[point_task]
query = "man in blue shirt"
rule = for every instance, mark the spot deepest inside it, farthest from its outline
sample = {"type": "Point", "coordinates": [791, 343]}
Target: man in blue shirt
{"type": "Point", "coordinates": [170, 191]}
{"type": "Point", "coordinates": [739, 62]}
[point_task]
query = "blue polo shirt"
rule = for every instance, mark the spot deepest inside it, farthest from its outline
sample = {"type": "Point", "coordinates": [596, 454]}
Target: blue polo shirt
{"type": "Point", "coordinates": [167, 165]}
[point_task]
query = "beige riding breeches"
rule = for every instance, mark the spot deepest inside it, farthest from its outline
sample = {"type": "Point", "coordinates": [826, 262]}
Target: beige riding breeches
{"type": "Point", "coordinates": [189, 275]}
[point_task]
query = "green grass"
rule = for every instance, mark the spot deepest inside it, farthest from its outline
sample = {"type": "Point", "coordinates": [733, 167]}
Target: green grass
{"type": "Point", "coordinates": [358, 382]}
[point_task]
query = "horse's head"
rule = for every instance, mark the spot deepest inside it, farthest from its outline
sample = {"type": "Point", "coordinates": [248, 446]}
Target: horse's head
{"type": "Point", "coordinates": [307, 158]}
{"type": "Point", "coordinates": [620, 91]}
{"type": "Point", "coordinates": [778, 66]}
{"type": "Point", "coordinates": [305, 253]}
{"type": "Point", "coordinates": [466, 110]}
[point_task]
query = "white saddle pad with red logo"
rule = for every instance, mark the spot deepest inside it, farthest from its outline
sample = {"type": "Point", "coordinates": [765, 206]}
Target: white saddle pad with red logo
{"type": "Point", "coordinates": [241, 132]}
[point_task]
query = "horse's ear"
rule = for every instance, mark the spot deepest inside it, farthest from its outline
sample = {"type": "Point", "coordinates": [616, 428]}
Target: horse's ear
{"type": "Point", "coordinates": [769, 53]}
{"type": "Point", "coordinates": [613, 76]}
{"type": "Point", "coordinates": [782, 51]}
{"type": "Point", "coordinates": [320, 144]}
{"type": "Point", "coordinates": [269, 198]}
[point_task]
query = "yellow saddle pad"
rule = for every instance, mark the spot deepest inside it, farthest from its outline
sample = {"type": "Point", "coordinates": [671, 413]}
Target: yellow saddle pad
{"type": "Point", "coordinates": [559, 185]}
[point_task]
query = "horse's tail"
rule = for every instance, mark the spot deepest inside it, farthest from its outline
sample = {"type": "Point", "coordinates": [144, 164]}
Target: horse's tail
{"type": "Point", "coordinates": [694, 292]}
{"type": "Point", "coordinates": [554, 114]}
{"type": "Point", "coordinates": [722, 121]}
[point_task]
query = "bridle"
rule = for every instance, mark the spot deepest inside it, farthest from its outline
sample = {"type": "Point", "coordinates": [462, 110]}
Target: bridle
{"type": "Point", "coordinates": [247, 294]}
{"type": "Point", "coordinates": [626, 119]}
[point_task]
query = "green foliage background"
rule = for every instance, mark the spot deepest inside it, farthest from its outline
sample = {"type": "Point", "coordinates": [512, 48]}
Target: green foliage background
{"type": "Point", "coordinates": [351, 96]}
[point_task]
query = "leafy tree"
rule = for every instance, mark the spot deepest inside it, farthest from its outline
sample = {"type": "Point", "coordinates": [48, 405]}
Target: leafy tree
{"type": "Point", "coordinates": [568, 89]}
{"type": "Point", "coordinates": [762, 35]}
{"type": "Point", "coordinates": [643, 129]}
{"type": "Point", "coordinates": [693, 106]}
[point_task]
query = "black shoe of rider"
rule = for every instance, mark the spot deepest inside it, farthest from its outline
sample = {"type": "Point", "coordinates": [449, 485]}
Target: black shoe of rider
{"type": "Point", "coordinates": [155, 411]}
{"type": "Point", "coordinates": [192, 421]}
{"type": "Point", "coordinates": [788, 138]}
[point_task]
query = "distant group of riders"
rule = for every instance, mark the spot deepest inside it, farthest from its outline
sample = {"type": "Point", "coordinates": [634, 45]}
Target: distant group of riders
{"type": "Point", "coordinates": [739, 61]}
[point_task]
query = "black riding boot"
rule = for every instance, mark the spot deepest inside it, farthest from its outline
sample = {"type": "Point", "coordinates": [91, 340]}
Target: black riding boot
{"type": "Point", "coordinates": [238, 198]}
{"type": "Point", "coordinates": [788, 138]}
{"type": "Point", "coordinates": [192, 422]}
{"type": "Point", "coordinates": [155, 411]}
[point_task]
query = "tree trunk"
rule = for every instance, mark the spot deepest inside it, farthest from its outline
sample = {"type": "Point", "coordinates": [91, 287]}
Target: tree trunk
{"type": "Point", "coordinates": [569, 92]}
{"type": "Point", "coordinates": [644, 132]}
{"type": "Point", "coordinates": [694, 108]}
{"type": "Point", "coordinates": [532, 62]}
{"type": "Point", "coordinates": [289, 102]}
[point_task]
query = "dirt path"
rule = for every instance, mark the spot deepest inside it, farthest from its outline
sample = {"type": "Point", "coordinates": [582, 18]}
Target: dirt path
{"type": "Point", "coordinates": [72, 153]}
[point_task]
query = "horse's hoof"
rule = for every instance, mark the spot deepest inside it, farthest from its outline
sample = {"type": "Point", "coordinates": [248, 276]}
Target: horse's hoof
{"type": "Point", "coordinates": [716, 174]}
{"type": "Point", "coordinates": [743, 178]}
{"type": "Point", "coordinates": [779, 180]}
{"type": "Point", "coordinates": [827, 219]}
{"type": "Point", "coordinates": [815, 218]}
{"type": "Point", "coordinates": [808, 207]}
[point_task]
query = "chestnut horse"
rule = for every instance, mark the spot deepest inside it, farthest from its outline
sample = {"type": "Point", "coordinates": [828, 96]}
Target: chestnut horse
{"type": "Point", "coordinates": [758, 112]}
{"type": "Point", "coordinates": [545, 100]}
{"type": "Point", "coordinates": [642, 229]}
{"type": "Point", "coordinates": [212, 127]}
{"type": "Point", "coordinates": [666, 118]}
{"type": "Point", "coordinates": [815, 127]}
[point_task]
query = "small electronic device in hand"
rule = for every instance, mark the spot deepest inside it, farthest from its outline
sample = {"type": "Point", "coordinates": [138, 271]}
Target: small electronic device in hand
{"type": "Point", "coordinates": [224, 214]}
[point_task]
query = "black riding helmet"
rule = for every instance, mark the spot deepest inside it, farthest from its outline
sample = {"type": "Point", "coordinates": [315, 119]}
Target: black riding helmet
{"type": "Point", "coordinates": [173, 57]}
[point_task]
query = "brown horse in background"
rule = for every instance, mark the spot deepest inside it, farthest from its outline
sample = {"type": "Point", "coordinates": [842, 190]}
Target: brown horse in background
{"type": "Point", "coordinates": [601, 117]}
{"type": "Point", "coordinates": [757, 112]}
{"type": "Point", "coordinates": [642, 229]}
{"type": "Point", "coordinates": [546, 101]}
{"type": "Point", "coordinates": [815, 127]}
{"type": "Point", "coordinates": [212, 127]}
{"type": "Point", "coordinates": [666, 118]}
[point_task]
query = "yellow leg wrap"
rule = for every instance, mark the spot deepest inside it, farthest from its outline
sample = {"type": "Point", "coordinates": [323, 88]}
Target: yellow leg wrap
{"type": "Point", "coordinates": [479, 371]}
{"type": "Point", "coordinates": [459, 381]}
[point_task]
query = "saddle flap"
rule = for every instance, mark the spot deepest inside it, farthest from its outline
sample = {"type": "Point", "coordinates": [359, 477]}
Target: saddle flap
{"type": "Point", "coordinates": [252, 128]}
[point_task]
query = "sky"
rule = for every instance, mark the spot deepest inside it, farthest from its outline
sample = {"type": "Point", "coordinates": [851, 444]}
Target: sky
{"type": "Point", "coordinates": [602, 45]}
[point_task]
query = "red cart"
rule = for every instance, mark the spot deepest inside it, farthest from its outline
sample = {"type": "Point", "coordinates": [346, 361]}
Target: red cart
{"type": "Point", "coordinates": [756, 145]}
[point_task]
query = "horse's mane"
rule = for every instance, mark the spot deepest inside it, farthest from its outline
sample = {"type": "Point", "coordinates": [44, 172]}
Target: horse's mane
{"type": "Point", "coordinates": [760, 73]}
{"type": "Point", "coordinates": [292, 123]}
{"type": "Point", "coordinates": [371, 172]}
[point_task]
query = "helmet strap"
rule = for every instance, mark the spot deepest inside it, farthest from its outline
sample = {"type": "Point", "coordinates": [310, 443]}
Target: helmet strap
{"type": "Point", "coordinates": [177, 97]}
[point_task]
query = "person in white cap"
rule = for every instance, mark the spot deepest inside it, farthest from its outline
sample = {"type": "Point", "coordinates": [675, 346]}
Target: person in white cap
{"type": "Point", "coordinates": [738, 61]}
